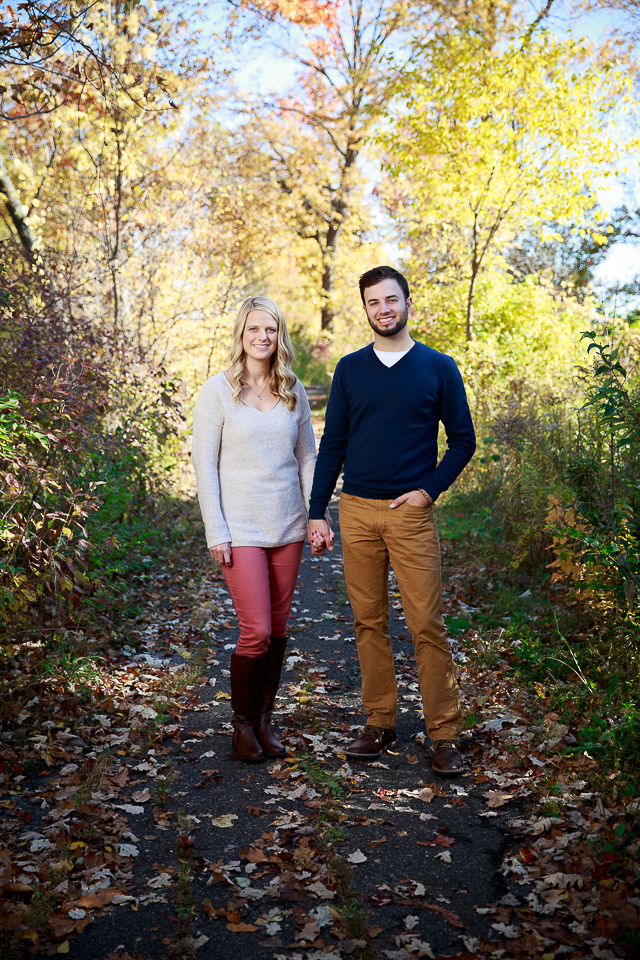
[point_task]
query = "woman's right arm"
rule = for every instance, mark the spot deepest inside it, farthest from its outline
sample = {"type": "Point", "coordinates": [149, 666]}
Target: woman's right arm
{"type": "Point", "coordinates": [205, 451]}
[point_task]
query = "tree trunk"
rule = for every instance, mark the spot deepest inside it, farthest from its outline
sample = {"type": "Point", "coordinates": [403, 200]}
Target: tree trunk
{"type": "Point", "coordinates": [329, 256]}
{"type": "Point", "coordinates": [326, 314]}
{"type": "Point", "coordinates": [120, 302]}
{"type": "Point", "coordinates": [18, 211]}
{"type": "Point", "coordinates": [476, 260]}
{"type": "Point", "coordinates": [472, 287]}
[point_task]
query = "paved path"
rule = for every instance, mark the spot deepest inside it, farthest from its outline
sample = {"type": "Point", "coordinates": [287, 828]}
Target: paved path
{"type": "Point", "coordinates": [311, 857]}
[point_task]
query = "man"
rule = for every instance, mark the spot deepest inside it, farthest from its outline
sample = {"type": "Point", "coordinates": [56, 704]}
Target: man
{"type": "Point", "coordinates": [382, 421]}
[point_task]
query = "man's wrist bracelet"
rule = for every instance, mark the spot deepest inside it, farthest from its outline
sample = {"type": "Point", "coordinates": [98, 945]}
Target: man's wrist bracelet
{"type": "Point", "coordinates": [424, 493]}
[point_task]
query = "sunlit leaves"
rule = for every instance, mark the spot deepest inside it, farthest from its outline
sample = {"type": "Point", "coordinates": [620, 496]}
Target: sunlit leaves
{"type": "Point", "coordinates": [494, 139]}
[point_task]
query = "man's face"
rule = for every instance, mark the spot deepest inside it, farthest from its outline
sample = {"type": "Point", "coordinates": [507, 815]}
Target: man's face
{"type": "Point", "coordinates": [387, 310]}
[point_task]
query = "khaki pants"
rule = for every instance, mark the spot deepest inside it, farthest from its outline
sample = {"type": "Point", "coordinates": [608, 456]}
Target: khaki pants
{"type": "Point", "coordinates": [372, 535]}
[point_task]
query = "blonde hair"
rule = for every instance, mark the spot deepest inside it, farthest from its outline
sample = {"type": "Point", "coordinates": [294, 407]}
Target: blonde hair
{"type": "Point", "coordinates": [283, 380]}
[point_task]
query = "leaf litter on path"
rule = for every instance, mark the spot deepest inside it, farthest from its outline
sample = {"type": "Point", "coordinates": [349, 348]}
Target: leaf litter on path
{"type": "Point", "coordinates": [129, 756]}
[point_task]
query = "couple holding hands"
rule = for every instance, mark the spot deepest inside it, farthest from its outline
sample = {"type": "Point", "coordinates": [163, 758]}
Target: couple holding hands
{"type": "Point", "coordinates": [261, 490]}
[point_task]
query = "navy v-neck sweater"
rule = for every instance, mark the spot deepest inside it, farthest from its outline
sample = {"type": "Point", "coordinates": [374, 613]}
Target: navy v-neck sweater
{"type": "Point", "coordinates": [382, 427]}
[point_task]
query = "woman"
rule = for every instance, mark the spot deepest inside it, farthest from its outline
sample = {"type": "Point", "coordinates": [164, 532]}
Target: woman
{"type": "Point", "coordinates": [254, 454]}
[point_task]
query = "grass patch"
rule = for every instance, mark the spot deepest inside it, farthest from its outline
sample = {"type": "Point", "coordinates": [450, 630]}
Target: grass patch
{"type": "Point", "coordinates": [94, 775]}
{"type": "Point", "coordinates": [322, 779]}
{"type": "Point", "coordinates": [161, 791]}
{"type": "Point", "coordinates": [185, 903]}
{"type": "Point", "coordinates": [457, 625]}
{"type": "Point", "coordinates": [341, 586]}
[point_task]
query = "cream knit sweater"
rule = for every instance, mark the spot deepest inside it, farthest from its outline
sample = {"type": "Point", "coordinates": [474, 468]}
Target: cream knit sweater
{"type": "Point", "coordinates": [254, 469]}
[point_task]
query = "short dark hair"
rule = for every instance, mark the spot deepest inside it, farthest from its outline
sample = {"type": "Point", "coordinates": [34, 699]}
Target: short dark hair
{"type": "Point", "coordinates": [376, 274]}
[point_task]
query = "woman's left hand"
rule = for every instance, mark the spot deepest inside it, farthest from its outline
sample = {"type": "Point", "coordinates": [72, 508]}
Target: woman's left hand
{"type": "Point", "coordinates": [222, 553]}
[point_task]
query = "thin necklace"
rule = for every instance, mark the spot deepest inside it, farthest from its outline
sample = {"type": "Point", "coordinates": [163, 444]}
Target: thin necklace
{"type": "Point", "coordinates": [258, 395]}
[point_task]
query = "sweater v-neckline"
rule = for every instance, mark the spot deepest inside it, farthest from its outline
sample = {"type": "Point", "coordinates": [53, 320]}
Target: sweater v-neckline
{"type": "Point", "coordinates": [250, 405]}
{"type": "Point", "coordinates": [398, 362]}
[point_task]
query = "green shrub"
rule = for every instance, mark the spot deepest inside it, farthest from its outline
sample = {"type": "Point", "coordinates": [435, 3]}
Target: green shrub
{"type": "Point", "coordinates": [88, 445]}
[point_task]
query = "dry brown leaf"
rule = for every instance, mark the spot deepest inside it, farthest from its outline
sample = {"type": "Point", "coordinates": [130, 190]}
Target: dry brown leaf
{"type": "Point", "coordinates": [120, 778]}
{"type": "Point", "coordinates": [497, 798]}
{"type": "Point", "coordinates": [100, 898]}
{"type": "Point", "coordinates": [11, 915]}
{"type": "Point", "coordinates": [15, 887]}
{"type": "Point", "coordinates": [449, 915]}
{"type": "Point", "coordinates": [255, 855]}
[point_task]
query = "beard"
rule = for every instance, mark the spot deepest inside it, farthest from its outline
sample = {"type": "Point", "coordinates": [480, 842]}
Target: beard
{"type": "Point", "coordinates": [391, 331]}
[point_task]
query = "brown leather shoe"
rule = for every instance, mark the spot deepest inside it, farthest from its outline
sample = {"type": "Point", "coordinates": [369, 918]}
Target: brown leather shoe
{"type": "Point", "coordinates": [370, 744]}
{"type": "Point", "coordinates": [274, 656]}
{"type": "Point", "coordinates": [446, 758]}
{"type": "Point", "coordinates": [246, 690]}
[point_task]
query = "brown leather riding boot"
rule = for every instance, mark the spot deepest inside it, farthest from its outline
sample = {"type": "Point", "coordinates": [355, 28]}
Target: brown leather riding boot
{"type": "Point", "coordinates": [271, 678]}
{"type": "Point", "coordinates": [246, 688]}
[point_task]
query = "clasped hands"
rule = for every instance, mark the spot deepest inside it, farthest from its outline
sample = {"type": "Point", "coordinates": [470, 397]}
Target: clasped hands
{"type": "Point", "coordinates": [321, 536]}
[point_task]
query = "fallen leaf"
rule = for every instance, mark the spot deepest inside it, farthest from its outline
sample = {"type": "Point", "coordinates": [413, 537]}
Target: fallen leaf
{"type": "Point", "coordinates": [356, 857]}
{"type": "Point", "coordinates": [441, 841]}
{"type": "Point", "coordinates": [226, 820]}
{"type": "Point", "coordinates": [145, 713]}
{"type": "Point", "coordinates": [141, 796]}
{"type": "Point", "coordinates": [309, 932]}
{"type": "Point", "coordinates": [497, 798]}
{"type": "Point", "coordinates": [128, 850]}
{"type": "Point", "coordinates": [511, 932]}
{"type": "Point", "coordinates": [319, 890]}
{"type": "Point", "coordinates": [449, 915]}
{"type": "Point", "coordinates": [444, 855]}
{"type": "Point", "coordinates": [93, 901]}
{"type": "Point", "coordinates": [380, 899]}
{"type": "Point", "coordinates": [162, 880]}
{"type": "Point", "coordinates": [198, 942]}
{"type": "Point", "coordinates": [255, 855]}
{"type": "Point", "coordinates": [242, 927]}
{"type": "Point", "coordinates": [121, 777]}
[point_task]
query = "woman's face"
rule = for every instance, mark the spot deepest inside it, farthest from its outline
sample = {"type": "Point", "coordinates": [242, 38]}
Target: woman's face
{"type": "Point", "coordinates": [260, 335]}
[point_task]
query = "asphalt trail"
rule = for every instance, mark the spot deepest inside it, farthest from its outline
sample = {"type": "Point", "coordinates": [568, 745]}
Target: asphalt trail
{"type": "Point", "coordinates": [323, 859]}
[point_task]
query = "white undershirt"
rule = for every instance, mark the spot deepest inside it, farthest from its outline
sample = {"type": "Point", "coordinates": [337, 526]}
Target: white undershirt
{"type": "Point", "coordinates": [388, 357]}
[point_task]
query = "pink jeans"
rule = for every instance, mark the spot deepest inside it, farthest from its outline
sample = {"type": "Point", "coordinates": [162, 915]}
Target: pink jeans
{"type": "Point", "coordinates": [261, 582]}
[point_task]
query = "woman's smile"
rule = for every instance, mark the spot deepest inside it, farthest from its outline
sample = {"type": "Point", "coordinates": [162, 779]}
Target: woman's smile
{"type": "Point", "coordinates": [260, 335]}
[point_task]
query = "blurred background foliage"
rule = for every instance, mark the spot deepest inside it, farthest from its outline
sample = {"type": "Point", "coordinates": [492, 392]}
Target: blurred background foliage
{"type": "Point", "coordinates": [158, 164]}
